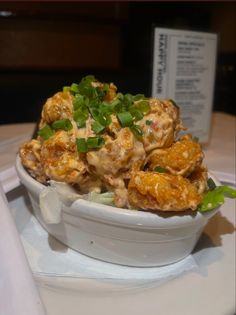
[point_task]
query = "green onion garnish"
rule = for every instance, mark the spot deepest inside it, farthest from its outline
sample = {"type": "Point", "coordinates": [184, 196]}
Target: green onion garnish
{"type": "Point", "coordinates": [95, 142]}
{"type": "Point", "coordinates": [84, 145]}
{"type": "Point", "coordinates": [81, 145]}
{"type": "Point", "coordinates": [137, 114]}
{"type": "Point", "coordinates": [46, 132]}
{"type": "Point", "coordinates": [143, 106]}
{"type": "Point", "coordinates": [80, 117]}
{"type": "Point", "coordinates": [66, 89]}
{"type": "Point", "coordinates": [148, 122]}
{"type": "Point", "coordinates": [97, 127]}
{"type": "Point", "coordinates": [125, 119]}
{"type": "Point", "coordinates": [64, 124]}
{"type": "Point", "coordinates": [173, 102]}
{"type": "Point", "coordinates": [214, 198]}
{"type": "Point", "coordinates": [74, 88]}
{"type": "Point", "coordinates": [78, 101]}
{"type": "Point", "coordinates": [137, 131]}
{"type": "Point", "coordinates": [211, 184]}
{"type": "Point", "coordinates": [159, 169]}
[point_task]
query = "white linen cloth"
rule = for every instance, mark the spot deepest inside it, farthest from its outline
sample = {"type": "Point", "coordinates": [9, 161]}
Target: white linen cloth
{"type": "Point", "coordinates": [18, 293]}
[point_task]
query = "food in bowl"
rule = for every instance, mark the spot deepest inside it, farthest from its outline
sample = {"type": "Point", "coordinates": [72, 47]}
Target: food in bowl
{"type": "Point", "coordinates": [95, 144]}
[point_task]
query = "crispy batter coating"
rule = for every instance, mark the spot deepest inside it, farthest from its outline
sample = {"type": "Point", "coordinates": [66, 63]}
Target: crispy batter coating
{"type": "Point", "coordinates": [166, 192]}
{"type": "Point", "coordinates": [199, 178]}
{"type": "Point", "coordinates": [59, 106]}
{"type": "Point", "coordinates": [60, 158]}
{"type": "Point", "coordinates": [111, 94]}
{"type": "Point", "coordinates": [161, 125]}
{"type": "Point", "coordinates": [117, 155]}
{"type": "Point", "coordinates": [30, 154]}
{"type": "Point", "coordinates": [180, 159]}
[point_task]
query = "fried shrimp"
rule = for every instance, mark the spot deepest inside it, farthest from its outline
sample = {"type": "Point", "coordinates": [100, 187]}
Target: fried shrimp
{"type": "Point", "coordinates": [199, 178]}
{"type": "Point", "coordinates": [59, 106]}
{"type": "Point", "coordinates": [60, 159]}
{"type": "Point", "coordinates": [165, 192]}
{"type": "Point", "coordinates": [30, 154]}
{"type": "Point", "coordinates": [160, 125]}
{"type": "Point", "coordinates": [180, 159]}
{"type": "Point", "coordinates": [116, 156]}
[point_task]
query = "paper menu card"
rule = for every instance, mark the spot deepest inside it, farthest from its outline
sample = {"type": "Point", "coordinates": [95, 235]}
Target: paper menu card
{"type": "Point", "coordinates": [184, 70]}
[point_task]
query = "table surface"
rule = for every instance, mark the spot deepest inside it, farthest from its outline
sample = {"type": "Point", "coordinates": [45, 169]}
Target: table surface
{"type": "Point", "coordinates": [211, 291]}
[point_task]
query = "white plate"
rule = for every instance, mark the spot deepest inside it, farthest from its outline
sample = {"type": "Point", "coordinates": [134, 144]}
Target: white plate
{"type": "Point", "coordinates": [204, 285]}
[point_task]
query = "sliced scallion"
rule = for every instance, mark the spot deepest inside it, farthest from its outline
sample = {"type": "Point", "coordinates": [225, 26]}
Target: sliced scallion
{"type": "Point", "coordinates": [74, 88]}
{"type": "Point", "coordinates": [95, 142]}
{"type": "Point", "coordinates": [125, 119]}
{"type": "Point", "coordinates": [159, 169]}
{"type": "Point", "coordinates": [143, 106]}
{"type": "Point", "coordinates": [81, 145]}
{"type": "Point", "coordinates": [97, 127]}
{"type": "Point", "coordinates": [78, 101]}
{"type": "Point", "coordinates": [66, 89]}
{"type": "Point", "coordinates": [148, 122]}
{"type": "Point", "coordinates": [46, 132]}
{"type": "Point", "coordinates": [64, 124]}
{"type": "Point", "coordinates": [137, 131]}
{"type": "Point", "coordinates": [211, 184]}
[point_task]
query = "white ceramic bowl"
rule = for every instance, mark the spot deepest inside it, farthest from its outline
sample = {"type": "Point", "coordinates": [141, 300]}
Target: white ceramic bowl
{"type": "Point", "coordinates": [120, 236]}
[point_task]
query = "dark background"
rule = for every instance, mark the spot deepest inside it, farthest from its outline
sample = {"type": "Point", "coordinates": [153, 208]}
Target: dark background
{"type": "Point", "coordinates": [44, 46]}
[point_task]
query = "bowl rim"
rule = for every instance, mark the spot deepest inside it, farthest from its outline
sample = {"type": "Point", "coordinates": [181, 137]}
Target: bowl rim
{"type": "Point", "coordinates": [120, 216]}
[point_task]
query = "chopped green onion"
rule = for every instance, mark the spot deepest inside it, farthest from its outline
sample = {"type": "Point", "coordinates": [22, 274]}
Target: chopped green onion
{"type": "Point", "coordinates": [137, 131]}
{"type": "Point", "coordinates": [227, 191]}
{"type": "Point", "coordinates": [66, 89]}
{"type": "Point", "coordinates": [64, 124]}
{"type": "Point", "coordinates": [80, 117]}
{"type": "Point", "coordinates": [211, 184]}
{"type": "Point", "coordinates": [78, 101]}
{"type": "Point", "coordinates": [84, 145]}
{"type": "Point", "coordinates": [195, 139]}
{"type": "Point", "coordinates": [214, 198]}
{"type": "Point", "coordinates": [46, 132]}
{"type": "Point", "coordinates": [159, 169]}
{"type": "Point", "coordinates": [125, 119]}
{"type": "Point", "coordinates": [95, 142]}
{"type": "Point", "coordinates": [104, 120]}
{"type": "Point", "coordinates": [173, 102]}
{"type": "Point", "coordinates": [81, 145]}
{"type": "Point", "coordinates": [148, 122]}
{"type": "Point", "coordinates": [74, 88]}
{"type": "Point", "coordinates": [143, 106]}
{"type": "Point", "coordinates": [139, 97]}
{"type": "Point", "coordinates": [97, 127]}
{"type": "Point", "coordinates": [137, 114]}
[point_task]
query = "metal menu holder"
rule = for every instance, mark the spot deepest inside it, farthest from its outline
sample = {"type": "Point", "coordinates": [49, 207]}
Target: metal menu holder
{"type": "Point", "coordinates": [184, 71]}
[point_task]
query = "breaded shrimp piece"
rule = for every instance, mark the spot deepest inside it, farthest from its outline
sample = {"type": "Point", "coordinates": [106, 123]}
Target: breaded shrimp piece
{"type": "Point", "coordinates": [116, 155]}
{"type": "Point", "coordinates": [179, 159]}
{"type": "Point", "coordinates": [160, 125]}
{"type": "Point", "coordinates": [59, 106]}
{"type": "Point", "coordinates": [165, 192]}
{"type": "Point", "coordinates": [115, 161]}
{"type": "Point", "coordinates": [30, 157]}
{"type": "Point", "coordinates": [60, 158]}
{"type": "Point", "coordinates": [199, 178]}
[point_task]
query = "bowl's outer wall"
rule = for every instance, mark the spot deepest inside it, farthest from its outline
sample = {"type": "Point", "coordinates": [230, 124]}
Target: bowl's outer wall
{"type": "Point", "coordinates": [134, 246]}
